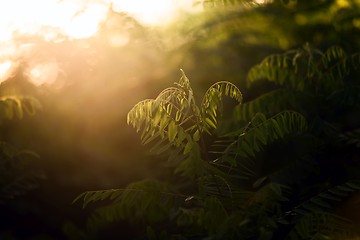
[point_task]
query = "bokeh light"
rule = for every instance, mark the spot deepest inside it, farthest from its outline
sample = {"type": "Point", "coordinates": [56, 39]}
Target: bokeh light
{"type": "Point", "coordinates": [26, 25]}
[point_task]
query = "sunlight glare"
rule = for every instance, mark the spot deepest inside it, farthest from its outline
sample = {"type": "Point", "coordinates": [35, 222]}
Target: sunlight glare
{"type": "Point", "coordinates": [155, 12]}
{"type": "Point", "coordinates": [43, 73]}
{"type": "Point", "coordinates": [70, 17]}
{"type": "Point", "coordinates": [77, 18]}
{"type": "Point", "coordinates": [84, 24]}
{"type": "Point", "coordinates": [147, 12]}
{"type": "Point", "coordinates": [6, 68]}
{"type": "Point", "coordinates": [260, 2]}
{"type": "Point", "coordinates": [23, 23]}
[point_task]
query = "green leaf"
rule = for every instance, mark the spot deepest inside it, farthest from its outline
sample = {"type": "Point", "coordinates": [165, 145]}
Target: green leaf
{"type": "Point", "coordinates": [260, 136]}
{"type": "Point", "coordinates": [172, 131]}
{"type": "Point", "coordinates": [277, 128]}
{"type": "Point", "coordinates": [210, 123]}
{"type": "Point", "coordinates": [212, 103]}
{"type": "Point", "coordinates": [196, 135]}
{"type": "Point", "coordinates": [329, 196]}
{"type": "Point", "coordinates": [321, 203]}
{"type": "Point", "coordinates": [354, 185]}
{"type": "Point", "coordinates": [188, 147]}
{"type": "Point", "coordinates": [259, 182]}
{"type": "Point", "coordinates": [162, 149]}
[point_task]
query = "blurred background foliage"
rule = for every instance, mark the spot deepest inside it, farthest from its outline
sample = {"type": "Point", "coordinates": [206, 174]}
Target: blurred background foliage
{"type": "Point", "coordinates": [80, 133]}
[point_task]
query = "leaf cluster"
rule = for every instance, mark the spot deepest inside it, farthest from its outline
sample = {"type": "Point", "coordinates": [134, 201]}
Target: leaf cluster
{"type": "Point", "coordinates": [17, 176]}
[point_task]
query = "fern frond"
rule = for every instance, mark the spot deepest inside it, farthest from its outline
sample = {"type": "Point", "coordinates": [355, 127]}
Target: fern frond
{"type": "Point", "coordinates": [17, 176]}
{"type": "Point", "coordinates": [132, 191]}
{"type": "Point", "coordinates": [140, 114]}
{"type": "Point", "coordinates": [280, 69]}
{"type": "Point", "coordinates": [170, 105]}
{"type": "Point", "coordinates": [181, 112]}
{"type": "Point", "coordinates": [174, 120]}
{"type": "Point", "coordinates": [184, 83]}
{"type": "Point", "coordinates": [170, 120]}
{"type": "Point", "coordinates": [19, 185]}
{"type": "Point", "coordinates": [351, 137]}
{"type": "Point", "coordinates": [193, 166]}
{"type": "Point", "coordinates": [145, 201]}
{"type": "Point", "coordinates": [333, 54]}
{"type": "Point", "coordinates": [15, 106]}
{"type": "Point", "coordinates": [348, 95]}
{"type": "Point", "coordinates": [212, 106]}
{"type": "Point", "coordinates": [208, 217]}
{"type": "Point", "coordinates": [268, 197]}
{"type": "Point", "coordinates": [328, 199]}
{"type": "Point", "coordinates": [335, 65]}
{"type": "Point", "coordinates": [187, 217]}
{"type": "Point", "coordinates": [221, 188]}
{"type": "Point", "coordinates": [228, 3]}
{"type": "Point", "coordinates": [99, 195]}
{"type": "Point", "coordinates": [326, 72]}
{"type": "Point", "coordinates": [160, 122]}
{"type": "Point", "coordinates": [261, 132]}
{"type": "Point", "coordinates": [321, 225]}
{"type": "Point", "coordinates": [215, 211]}
{"type": "Point", "coordinates": [280, 99]}
{"type": "Point", "coordinates": [215, 185]}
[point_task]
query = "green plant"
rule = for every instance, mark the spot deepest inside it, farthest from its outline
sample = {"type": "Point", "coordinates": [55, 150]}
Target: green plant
{"type": "Point", "coordinates": [324, 171]}
{"type": "Point", "coordinates": [17, 175]}
{"type": "Point", "coordinates": [239, 184]}
{"type": "Point", "coordinates": [271, 174]}
{"type": "Point", "coordinates": [174, 125]}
